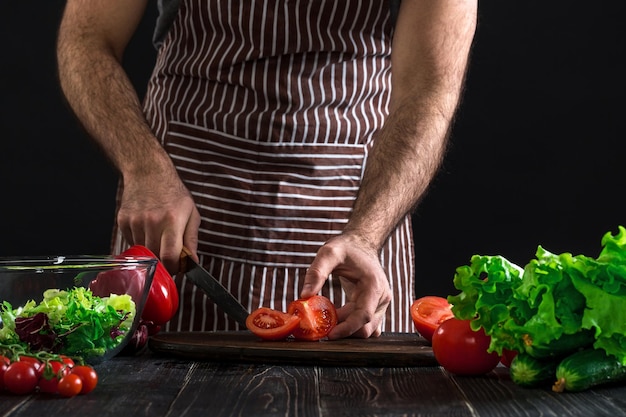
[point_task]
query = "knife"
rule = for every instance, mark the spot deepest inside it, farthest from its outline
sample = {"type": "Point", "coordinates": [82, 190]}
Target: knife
{"type": "Point", "coordinates": [213, 288]}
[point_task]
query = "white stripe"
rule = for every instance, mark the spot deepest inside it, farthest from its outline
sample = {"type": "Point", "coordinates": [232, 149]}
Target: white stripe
{"type": "Point", "coordinates": [296, 112]}
{"type": "Point", "coordinates": [190, 63]}
{"type": "Point", "coordinates": [277, 206]}
{"type": "Point", "coordinates": [273, 299]}
{"type": "Point", "coordinates": [296, 283]}
{"type": "Point", "coordinates": [262, 251]}
{"type": "Point", "coordinates": [244, 104]}
{"type": "Point", "coordinates": [283, 300]}
{"type": "Point", "coordinates": [251, 307]}
{"type": "Point", "coordinates": [280, 173]}
{"type": "Point", "coordinates": [262, 286]}
{"type": "Point", "coordinates": [260, 263]}
{"type": "Point", "coordinates": [254, 110]}
{"type": "Point", "coordinates": [267, 240]}
{"type": "Point", "coordinates": [219, 38]}
{"type": "Point", "coordinates": [283, 183]}
{"type": "Point", "coordinates": [295, 196]}
{"type": "Point", "coordinates": [281, 218]}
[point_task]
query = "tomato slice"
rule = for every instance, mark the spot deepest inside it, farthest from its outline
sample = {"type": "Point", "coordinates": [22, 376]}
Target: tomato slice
{"type": "Point", "coordinates": [318, 317]}
{"type": "Point", "coordinates": [428, 313]}
{"type": "Point", "coordinates": [269, 324]}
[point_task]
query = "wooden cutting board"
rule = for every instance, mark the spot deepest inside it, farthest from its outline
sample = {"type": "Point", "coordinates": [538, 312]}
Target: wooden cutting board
{"type": "Point", "coordinates": [391, 349]}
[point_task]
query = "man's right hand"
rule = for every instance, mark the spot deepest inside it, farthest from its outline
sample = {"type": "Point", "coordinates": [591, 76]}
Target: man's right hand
{"type": "Point", "coordinates": [158, 211]}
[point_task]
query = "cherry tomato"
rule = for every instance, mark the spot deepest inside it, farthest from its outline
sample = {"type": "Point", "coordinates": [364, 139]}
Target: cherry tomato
{"type": "Point", "coordinates": [20, 377]}
{"type": "Point", "coordinates": [461, 350]}
{"type": "Point", "coordinates": [428, 313]}
{"type": "Point", "coordinates": [317, 315]}
{"type": "Point", "coordinates": [53, 371]}
{"type": "Point", "coordinates": [88, 376]}
{"type": "Point", "coordinates": [36, 363]}
{"type": "Point", "coordinates": [162, 302]}
{"type": "Point", "coordinates": [270, 324]}
{"type": "Point", "coordinates": [70, 385]}
{"type": "Point", "coordinates": [69, 362]}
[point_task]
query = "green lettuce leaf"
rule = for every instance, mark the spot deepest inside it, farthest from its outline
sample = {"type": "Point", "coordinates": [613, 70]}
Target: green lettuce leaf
{"type": "Point", "coordinates": [552, 296]}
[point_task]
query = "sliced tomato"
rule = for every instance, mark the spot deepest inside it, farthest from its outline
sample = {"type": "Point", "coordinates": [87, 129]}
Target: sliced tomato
{"type": "Point", "coordinates": [269, 324]}
{"type": "Point", "coordinates": [318, 317]}
{"type": "Point", "coordinates": [428, 313]}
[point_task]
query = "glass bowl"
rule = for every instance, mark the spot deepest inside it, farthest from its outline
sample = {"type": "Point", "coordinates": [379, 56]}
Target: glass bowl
{"type": "Point", "coordinates": [85, 307]}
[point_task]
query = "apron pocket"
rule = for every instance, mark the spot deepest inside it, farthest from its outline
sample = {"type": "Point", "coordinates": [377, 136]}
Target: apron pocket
{"type": "Point", "coordinates": [265, 202]}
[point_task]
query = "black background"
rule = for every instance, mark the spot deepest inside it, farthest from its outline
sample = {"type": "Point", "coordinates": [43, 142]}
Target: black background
{"type": "Point", "coordinates": [535, 156]}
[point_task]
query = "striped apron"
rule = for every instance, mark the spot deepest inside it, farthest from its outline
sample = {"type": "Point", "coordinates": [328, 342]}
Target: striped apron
{"type": "Point", "coordinates": [268, 109]}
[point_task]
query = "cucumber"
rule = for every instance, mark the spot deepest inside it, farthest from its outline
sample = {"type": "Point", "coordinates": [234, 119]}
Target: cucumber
{"type": "Point", "coordinates": [561, 347]}
{"type": "Point", "coordinates": [528, 371]}
{"type": "Point", "coordinates": [588, 368]}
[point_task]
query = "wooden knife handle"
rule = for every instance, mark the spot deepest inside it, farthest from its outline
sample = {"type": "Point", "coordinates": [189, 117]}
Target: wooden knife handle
{"type": "Point", "coordinates": [184, 254]}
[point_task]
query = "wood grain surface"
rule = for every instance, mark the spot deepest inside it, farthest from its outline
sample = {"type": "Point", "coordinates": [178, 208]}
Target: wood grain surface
{"type": "Point", "coordinates": [404, 349]}
{"type": "Point", "coordinates": [160, 385]}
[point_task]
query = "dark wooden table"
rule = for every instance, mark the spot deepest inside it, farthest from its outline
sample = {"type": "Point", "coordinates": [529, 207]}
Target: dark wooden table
{"type": "Point", "coordinates": [156, 384]}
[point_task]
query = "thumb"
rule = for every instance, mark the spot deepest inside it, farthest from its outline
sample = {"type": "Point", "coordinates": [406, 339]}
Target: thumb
{"type": "Point", "coordinates": [313, 281]}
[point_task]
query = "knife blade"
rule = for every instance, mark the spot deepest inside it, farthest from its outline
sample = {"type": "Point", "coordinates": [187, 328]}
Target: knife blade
{"type": "Point", "coordinates": [213, 288]}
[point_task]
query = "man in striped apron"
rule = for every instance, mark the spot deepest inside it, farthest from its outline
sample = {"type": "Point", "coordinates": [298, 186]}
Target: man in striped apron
{"type": "Point", "coordinates": [284, 142]}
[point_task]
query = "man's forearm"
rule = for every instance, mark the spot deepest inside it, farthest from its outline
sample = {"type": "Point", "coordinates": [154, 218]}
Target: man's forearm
{"type": "Point", "coordinates": [402, 163]}
{"type": "Point", "coordinates": [429, 61]}
{"type": "Point", "coordinates": [104, 100]}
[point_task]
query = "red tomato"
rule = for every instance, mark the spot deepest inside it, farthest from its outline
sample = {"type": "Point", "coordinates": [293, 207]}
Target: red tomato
{"type": "Point", "coordinates": [462, 351]}
{"type": "Point", "coordinates": [88, 376]}
{"type": "Point", "coordinates": [36, 363]}
{"type": "Point", "coordinates": [507, 357]}
{"type": "Point", "coordinates": [52, 372]}
{"type": "Point", "coordinates": [269, 324]}
{"type": "Point", "coordinates": [317, 315]}
{"type": "Point", "coordinates": [20, 377]}
{"type": "Point", "coordinates": [69, 362]}
{"type": "Point", "coordinates": [428, 313]}
{"type": "Point", "coordinates": [70, 385]}
{"type": "Point", "coordinates": [162, 302]}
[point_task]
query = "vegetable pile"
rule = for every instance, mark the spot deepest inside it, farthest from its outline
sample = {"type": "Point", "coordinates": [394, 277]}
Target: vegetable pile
{"type": "Point", "coordinates": [43, 345]}
{"type": "Point", "coordinates": [44, 372]}
{"type": "Point", "coordinates": [555, 306]}
{"type": "Point", "coordinates": [72, 322]}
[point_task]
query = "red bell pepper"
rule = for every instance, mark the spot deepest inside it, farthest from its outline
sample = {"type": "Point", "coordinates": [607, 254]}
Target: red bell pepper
{"type": "Point", "coordinates": [162, 301]}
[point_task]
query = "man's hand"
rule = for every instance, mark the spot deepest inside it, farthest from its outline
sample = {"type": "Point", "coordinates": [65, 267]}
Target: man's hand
{"type": "Point", "coordinates": [159, 213]}
{"type": "Point", "coordinates": [363, 280]}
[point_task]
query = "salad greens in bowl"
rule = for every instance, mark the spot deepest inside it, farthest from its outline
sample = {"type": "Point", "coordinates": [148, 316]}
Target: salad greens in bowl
{"type": "Point", "coordinates": [85, 307]}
